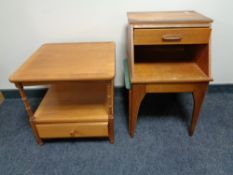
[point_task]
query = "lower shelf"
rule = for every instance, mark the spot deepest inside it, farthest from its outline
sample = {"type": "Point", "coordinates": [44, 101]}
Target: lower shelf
{"type": "Point", "coordinates": [72, 130]}
{"type": "Point", "coordinates": [167, 72]}
{"type": "Point", "coordinates": [73, 103]}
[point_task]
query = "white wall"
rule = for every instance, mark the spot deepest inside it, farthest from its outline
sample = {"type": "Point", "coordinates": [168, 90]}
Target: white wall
{"type": "Point", "coordinates": [26, 24]}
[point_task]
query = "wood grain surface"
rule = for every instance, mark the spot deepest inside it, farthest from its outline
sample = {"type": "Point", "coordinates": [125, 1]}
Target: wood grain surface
{"type": "Point", "coordinates": [168, 72]}
{"type": "Point", "coordinates": [171, 36]}
{"type": "Point", "coordinates": [69, 130]}
{"type": "Point", "coordinates": [165, 17]}
{"type": "Point", "coordinates": [74, 102]}
{"type": "Point", "coordinates": [68, 62]}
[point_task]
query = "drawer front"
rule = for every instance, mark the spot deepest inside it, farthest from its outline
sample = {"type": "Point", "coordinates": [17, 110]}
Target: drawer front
{"type": "Point", "coordinates": [171, 36]}
{"type": "Point", "coordinates": [70, 130]}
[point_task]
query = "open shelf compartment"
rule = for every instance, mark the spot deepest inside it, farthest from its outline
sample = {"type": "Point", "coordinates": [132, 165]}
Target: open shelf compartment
{"type": "Point", "coordinates": [74, 102]}
{"type": "Point", "coordinates": [171, 63]}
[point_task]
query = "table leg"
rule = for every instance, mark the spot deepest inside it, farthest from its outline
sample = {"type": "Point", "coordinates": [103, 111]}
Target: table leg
{"type": "Point", "coordinates": [111, 130]}
{"type": "Point", "coordinates": [110, 108]}
{"type": "Point", "coordinates": [198, 97]}
{"type": "Point", "coordinates": [29, 111]}
{"type": "Point", "coordinates": [136, 94]}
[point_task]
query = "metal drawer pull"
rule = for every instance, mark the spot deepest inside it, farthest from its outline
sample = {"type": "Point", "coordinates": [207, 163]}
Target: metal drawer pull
{"type": "Point", "coordinates": [171, 38]}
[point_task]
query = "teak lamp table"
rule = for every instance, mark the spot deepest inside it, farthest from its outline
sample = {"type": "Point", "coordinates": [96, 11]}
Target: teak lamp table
{"type": "Point", "coordinates": [79, 101]}
{"type": "Point", "coordinates": [168, 52]}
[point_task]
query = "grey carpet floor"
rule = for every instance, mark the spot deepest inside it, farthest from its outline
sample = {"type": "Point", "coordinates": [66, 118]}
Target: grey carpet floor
{"type": "Point", "coordinates": [161, 144]}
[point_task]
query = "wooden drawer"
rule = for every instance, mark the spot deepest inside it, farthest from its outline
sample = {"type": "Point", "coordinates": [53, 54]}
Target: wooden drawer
{"type": "Point", "coordinates": [171, 36]}
{"type": "Point", "coordinates": [98, 129]}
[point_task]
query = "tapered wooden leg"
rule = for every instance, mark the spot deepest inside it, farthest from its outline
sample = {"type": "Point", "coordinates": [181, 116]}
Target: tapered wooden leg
{"type": "Point", "coordinates": [136, 94]}
{"type": "Point", "coordinates": [29, 111]}
{"type": "Point", "coordinates": [198, 97]}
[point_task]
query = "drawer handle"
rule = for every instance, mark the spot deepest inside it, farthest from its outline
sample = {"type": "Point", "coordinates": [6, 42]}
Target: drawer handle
{"type": "Point", "coordinates": [73, 133]}
{"type": "Point", "coordinates": [172, 38]}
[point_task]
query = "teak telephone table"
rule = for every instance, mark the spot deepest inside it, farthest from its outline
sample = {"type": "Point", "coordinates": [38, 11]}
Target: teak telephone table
{"type": "Point", "coordinates": [168, 52]}
{"type": "Point", "coordinates": [79, 101]}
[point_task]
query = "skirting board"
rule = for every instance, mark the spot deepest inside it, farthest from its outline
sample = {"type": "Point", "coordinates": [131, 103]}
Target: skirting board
{"type": "Point", "coordinates": [119, 91]}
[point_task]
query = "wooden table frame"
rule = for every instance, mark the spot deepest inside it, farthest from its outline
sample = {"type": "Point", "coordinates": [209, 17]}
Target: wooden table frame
{"type": "Point", "coordinates": [71, 108]}
{"type": "Point", "coordinates": [160, 29]}
{"type": "Point", "coordinates": [138, 91]}
{"type": "Point", "coordinates": [110, 109]}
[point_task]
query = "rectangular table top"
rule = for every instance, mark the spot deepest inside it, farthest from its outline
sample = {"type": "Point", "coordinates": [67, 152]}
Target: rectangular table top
{"type": "Point", "coordinates": [166, 17]}
{"type": "Point", "coordinates": [68, 62]}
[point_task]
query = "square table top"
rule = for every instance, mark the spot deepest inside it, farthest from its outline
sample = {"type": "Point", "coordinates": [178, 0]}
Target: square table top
{"type": "Point", "coordinates": [68, 62]}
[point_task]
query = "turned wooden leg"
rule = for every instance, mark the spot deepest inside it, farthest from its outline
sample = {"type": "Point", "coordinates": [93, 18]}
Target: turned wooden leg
{"type": "Point", "coordinates": [29, 111]}
{"type": "Point", "coordinates": [110, 109]}
{"type": "Point", "coordinates": [198, 97]}
{"type": "Point", "coordinates": [136, 94]}
{"type": "Point", "coordinates": [111, 130]}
